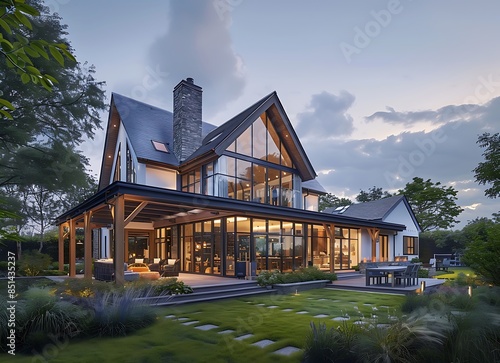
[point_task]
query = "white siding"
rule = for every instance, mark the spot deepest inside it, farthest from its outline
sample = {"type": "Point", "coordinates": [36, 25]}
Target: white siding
{"type": "Point", "coordinates": [401, 215]}
{"type": "Point", "coordinates": [162, 178]}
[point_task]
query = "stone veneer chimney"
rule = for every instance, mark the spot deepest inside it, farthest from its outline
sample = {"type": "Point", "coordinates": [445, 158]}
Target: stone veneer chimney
{"type": "Point", "coordinates": [187, 118]}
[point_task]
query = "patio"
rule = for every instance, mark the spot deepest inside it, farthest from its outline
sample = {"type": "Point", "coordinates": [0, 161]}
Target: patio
{"type": "Point", "coordinates": [357, 281]}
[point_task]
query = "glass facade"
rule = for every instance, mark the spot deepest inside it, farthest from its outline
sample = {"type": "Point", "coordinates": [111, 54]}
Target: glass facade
{"type": "Point", "coordinates": [256, 167]}
{"type": "Point", "coordinates": [239, 246]}
{"type": "Point", "coordinates": [343, 254]}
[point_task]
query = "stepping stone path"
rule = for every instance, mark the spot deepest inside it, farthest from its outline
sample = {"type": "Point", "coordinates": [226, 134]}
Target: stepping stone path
{"type": "Point", "coordinates": [340, 318]}
{"type": "Point", "coordinates": [287, 351]}
{"type": "Point", "coordinates": [321, 316]}
{"type": "Point", "coordinates": [273, 307]}
{"type": "Point", "coordinates": [206, 327]}
{"type": "Point", "coordinates": [190, 322]}
{"type": "Point", "coordinates": [263, 343]}
{"type": "Point", "coordinates": [228, 331]}
{"type": "Point", "coordinates": [243, 337]}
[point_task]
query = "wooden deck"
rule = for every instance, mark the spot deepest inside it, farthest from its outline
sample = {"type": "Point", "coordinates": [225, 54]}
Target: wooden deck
{"type": "Point", "coordinates": [357, 282]}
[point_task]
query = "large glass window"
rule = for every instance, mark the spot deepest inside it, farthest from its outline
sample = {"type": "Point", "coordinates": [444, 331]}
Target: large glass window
{"type": "Point", "coordinates": [256, 167]}
{"type": "Point", "coordinates": [118, 165]}
{"type": "Point", "coordinates": [131, 174]}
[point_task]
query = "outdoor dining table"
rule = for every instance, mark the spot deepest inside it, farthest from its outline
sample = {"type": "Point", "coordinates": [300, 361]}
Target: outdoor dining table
{"type": "Point", "coordinates": [385, 269]}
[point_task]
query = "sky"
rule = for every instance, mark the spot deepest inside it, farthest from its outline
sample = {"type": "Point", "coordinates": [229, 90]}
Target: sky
{"type": "Point", "coordinates": [379, 92]}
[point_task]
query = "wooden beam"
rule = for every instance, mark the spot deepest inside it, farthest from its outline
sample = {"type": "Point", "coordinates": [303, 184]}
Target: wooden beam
{"type": "Point", "coordinates": [119, 239]}
{"type": "Point", "coordinates": [87, 245]}
{"type": "Point", "coordinates": [61, 247]}
{"type": "Point", "coordinates": [374, 232]}
{"type": "Point", "coordinates": [72, 248]}
{"type": "Point", "coordinates": [134, 213]}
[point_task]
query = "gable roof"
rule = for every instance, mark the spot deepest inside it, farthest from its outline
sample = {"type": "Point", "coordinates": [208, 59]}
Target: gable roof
{"type": "Point", "coordinates": [218, 140]}
{"type": "Point", "coordinates": [376, 210]}
{"type": "Point", "coordinates": [143, 123]}
{"type": "Point", "coordinates": [314, 186]}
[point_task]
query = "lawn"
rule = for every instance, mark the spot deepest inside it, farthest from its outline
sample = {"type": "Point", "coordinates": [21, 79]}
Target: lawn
{"type": "Point", "coordinates": [285, 320]}
{"type": "Point", "coordinates": [453, 273]}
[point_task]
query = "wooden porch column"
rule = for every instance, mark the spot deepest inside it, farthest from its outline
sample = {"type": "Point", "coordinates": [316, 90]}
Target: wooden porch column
{"type": "Point", "coordinates": [87, 244]}
{"type": "Point", "coordinates": [119, 240]}
{"type": "Point", "coordinates": [61, 247]}
{"type": "Point", "coordinates": [374, 235]}
{"type": "Point", "coordinates": [330, 231]}
{"type": "Point", "coordinates": [72, 248]}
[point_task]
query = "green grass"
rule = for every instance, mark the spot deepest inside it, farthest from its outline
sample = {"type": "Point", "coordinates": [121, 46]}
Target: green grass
{"type": "Point", "coordinates": [453, 272]}
{"type": "Point", "coordinates": [168, 340]}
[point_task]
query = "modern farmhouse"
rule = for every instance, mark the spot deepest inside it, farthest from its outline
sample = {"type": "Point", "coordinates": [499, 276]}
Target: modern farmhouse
{"type": "Point", "coordinates": [231, 200]}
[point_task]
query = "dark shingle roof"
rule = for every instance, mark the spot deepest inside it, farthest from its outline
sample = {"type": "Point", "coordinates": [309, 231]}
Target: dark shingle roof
{"type": "Point", "coordinates": [374, 210]}
{"type": "Point", "coordinates": [144, 123]}
{"type": "Point", "coordinates": [314, 186]}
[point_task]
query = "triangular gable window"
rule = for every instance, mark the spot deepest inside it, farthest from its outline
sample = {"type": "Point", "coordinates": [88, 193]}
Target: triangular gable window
{"type": "Point", "coordinates": [262, 141]}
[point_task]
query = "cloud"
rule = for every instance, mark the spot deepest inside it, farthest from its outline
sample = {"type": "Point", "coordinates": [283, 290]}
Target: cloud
{"type": "Point", "coordinates": [448, 154]}
{"type": "Point", "coordinates": [327, 117]}
{"type": "Point", "coordinates": [197, 44]}
{"type": "Point", "coordinates": [445, 114]}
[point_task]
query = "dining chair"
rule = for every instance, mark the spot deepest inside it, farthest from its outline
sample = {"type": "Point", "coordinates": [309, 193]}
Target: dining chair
{"type": "Point", "coordinates": [404, 276]}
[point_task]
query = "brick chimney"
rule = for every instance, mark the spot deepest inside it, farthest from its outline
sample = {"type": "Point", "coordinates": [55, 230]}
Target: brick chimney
{"type": "Point", "coordinates": [187, 118]}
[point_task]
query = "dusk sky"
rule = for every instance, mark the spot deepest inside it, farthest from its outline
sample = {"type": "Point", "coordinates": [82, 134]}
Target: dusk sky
{"type": "Point", "coordinates": [379, 92]}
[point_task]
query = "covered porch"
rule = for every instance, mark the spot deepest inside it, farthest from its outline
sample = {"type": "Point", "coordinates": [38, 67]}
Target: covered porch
{"type": "Point", "coordinates": [131, 211]}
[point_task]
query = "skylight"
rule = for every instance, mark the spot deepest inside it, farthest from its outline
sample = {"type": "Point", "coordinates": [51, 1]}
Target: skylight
{"type": "Point", "coordinates": [160, 146]}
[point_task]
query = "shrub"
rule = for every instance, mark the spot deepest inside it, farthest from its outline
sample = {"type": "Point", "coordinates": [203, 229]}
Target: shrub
{"type": "Point", "coordinates": [34, 262]}
{"type": "Point", "coordinates": [474, 337]}
{"type": "Point", "coordinates": [487, 295]}
{"type": "Point", "coordinates": [75, 288]}
{"type": "Point", "coordinates": [330, 345]}
{"type": "Point", "coordinates": [267, 278]}
{"type": "Point", "coordinates": [415, 302]}
{"type": "Point", "coordinates": [423, 273]}
{"type": "Point", "coordinates": [416, 338]}
{"type": "Point", "coordinates": [118, 313]}
{"type": "Point", "coordinates": [40, 316]}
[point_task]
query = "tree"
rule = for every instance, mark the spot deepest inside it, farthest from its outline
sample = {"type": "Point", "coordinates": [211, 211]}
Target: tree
{"type": "Point", "coordinates": [18, 50]}
{"type": "Point", "coordinates": [331, 201]}
{"type": "Point", "coordinates": [373, 193]}
{"type": "Point", "coordinates": [44, 120]}
{"type": "Point", "coordinates": [488, 172]}
{"type": "Point", "coordinates": [434, 205]}
{"type": "Point", "coordinates": [40, 163]}
{"type": "Point", "coordinates": [483, 252]}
